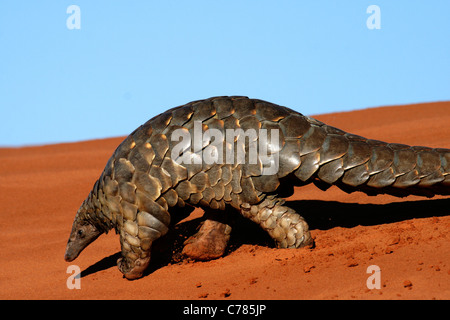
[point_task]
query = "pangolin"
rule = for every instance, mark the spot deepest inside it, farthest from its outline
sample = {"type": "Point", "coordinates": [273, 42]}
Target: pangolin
{"type": "Point", "coordinates": [200, 154]}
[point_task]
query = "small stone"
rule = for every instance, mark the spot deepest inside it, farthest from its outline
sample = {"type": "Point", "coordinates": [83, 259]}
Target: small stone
{"type": "Point", "coordinates": [393, 241]}
{"type": "Point", "coordinates": [352, 263]}
{"type": "Point", "coordinates": [226, 293]}
{"type": "Point", "coordinates": [407, 284]}
{"type": "Point", "coordinates": [307, 268]}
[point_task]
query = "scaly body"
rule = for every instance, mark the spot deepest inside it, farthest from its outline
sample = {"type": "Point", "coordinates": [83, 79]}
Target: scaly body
{"type": "Point", "coordinates": [143, 182]}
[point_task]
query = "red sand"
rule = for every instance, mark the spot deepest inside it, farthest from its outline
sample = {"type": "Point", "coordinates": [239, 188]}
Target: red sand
{"type": "Point", "coordinates": [41, 188]}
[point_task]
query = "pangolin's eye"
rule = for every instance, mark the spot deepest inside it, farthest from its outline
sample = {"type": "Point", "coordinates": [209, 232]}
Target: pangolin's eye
{"type": "Point", "coordinates": [80, 233]}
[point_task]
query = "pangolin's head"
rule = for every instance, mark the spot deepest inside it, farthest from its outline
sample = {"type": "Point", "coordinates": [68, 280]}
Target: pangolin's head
{"type": "Point", "coordinates": [83, 233]}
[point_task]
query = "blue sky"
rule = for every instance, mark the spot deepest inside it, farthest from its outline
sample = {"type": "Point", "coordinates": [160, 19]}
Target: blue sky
{"type": "Point", "coordinates": [131, 60]}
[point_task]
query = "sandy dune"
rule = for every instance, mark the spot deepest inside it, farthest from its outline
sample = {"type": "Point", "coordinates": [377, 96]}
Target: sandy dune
{"type": "Point", "coordinates": [42, 187]}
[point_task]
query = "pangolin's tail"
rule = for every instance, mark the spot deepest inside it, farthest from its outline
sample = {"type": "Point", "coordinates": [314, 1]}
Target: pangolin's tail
{"type": "Point", "coordinates": [355, 163]}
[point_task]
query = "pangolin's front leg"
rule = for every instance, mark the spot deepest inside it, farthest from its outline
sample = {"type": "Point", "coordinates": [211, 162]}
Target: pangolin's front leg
{"type": "Point", "coordinates": [136, 238]}
{"type": "Point", "coordinates": [135, 256]}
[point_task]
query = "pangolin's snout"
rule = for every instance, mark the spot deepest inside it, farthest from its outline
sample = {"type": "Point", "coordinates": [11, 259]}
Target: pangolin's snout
{"type": "Point", "coordinates": [67, 257]}
{"type": "Point", "coordinates": [70, 254]}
